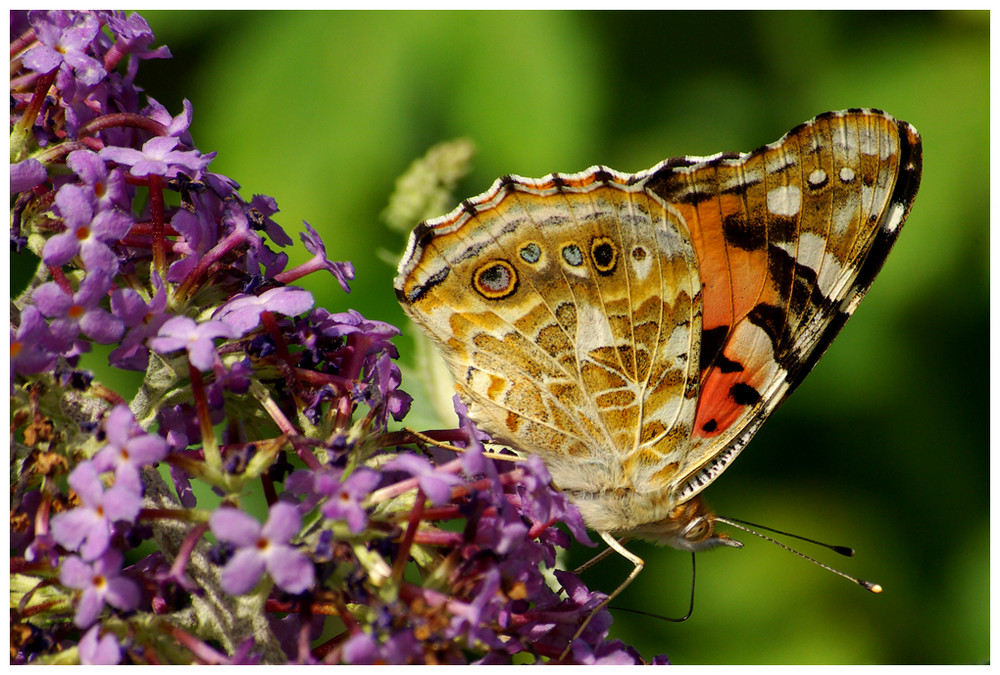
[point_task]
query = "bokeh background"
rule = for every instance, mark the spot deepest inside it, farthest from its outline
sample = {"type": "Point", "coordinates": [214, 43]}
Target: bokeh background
{"type": "Point", "coordinates": [884, 447]}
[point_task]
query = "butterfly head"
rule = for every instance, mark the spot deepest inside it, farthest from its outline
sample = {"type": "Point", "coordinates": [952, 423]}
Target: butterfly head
{"type": "Point", "coordinates": [689, 527]}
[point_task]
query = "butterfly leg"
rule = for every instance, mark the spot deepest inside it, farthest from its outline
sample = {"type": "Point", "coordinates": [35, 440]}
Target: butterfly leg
{"type": "Point", "coordinates": [638, 563]}
{"type": "Point", "coordinates": [424, 438]}
{"type": "Point", "coordinates": [599, 557]}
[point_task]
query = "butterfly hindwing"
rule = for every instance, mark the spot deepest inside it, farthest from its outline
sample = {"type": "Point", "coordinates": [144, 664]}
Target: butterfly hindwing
{"type": "Point", "coordinates": [568, 310]}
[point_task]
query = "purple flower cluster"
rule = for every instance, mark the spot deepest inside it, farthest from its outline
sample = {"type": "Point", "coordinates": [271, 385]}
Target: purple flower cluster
{"type": "Point", "coordinates": [352, 555]}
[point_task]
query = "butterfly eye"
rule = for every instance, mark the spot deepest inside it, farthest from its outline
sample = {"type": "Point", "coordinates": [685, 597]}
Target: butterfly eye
{"type": "Point", "coordinates": [698, 529]}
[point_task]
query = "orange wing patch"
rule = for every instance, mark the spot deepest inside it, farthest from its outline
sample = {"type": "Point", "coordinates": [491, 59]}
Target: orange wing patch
{"type": "Point", "coordinates": [781, 234]}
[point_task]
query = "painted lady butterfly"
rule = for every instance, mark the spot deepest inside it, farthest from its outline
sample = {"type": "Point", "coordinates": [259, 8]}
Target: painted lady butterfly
{"type": "Point", "coordinates": [635, 330]}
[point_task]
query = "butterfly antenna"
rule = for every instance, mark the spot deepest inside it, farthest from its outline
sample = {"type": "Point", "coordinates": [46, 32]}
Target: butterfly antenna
{"type": "Point", "coordinates": [660, 616]}
{"type": "Point", "coordinates": [843, 550]}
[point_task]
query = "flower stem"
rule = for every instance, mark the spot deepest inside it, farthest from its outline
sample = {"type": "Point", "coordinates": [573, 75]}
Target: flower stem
{"type": "Point", "coordinates": [403, 554]}
{"type": "Point", "coordinates": [159, 238]}
{"type": "Point", "coordinates": [122, 120]}
{"type": "Point", "coordinates": [22, 128]}
{"type": "Point", "coordinates": [208, 441]}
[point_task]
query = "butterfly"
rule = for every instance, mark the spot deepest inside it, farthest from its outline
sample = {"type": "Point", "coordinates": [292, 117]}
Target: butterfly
{"type": "Point", "coordinates": [635, 330]}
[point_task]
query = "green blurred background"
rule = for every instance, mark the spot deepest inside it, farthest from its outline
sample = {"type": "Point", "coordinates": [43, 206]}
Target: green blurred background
{"type": "Point", "coordinates": [884, 446]}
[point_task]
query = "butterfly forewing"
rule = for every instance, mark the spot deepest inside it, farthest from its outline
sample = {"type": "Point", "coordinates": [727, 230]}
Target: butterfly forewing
{"type": "Point", "coordinates": [787, 238]}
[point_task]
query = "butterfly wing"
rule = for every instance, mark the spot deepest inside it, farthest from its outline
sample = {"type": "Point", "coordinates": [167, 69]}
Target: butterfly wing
{"type": "Point", "coordinates": [567, 309]}
{"type": "Point", "coordinates": [789, 238]}
{"type": "Point", "coordinates": [570, 309]}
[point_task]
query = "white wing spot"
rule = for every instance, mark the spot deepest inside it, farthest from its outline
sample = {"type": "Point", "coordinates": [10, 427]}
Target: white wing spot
{"type": "Point", "coordinates": [593, 330]}
{"type": "Point", "coordinates": [867, 142]}
{"type": "Point", "coordinates": [845, 213]}
{"type": "Point", "coordinates": [641, 265]}
{"type": "Point", "coordinates": [785, 200]}
{"type": "Point", "coordinates": [817, 177]}
{"type": "Point", "coordinates": [847, 174]}
{"type": "Point", "coordinates": [889, 147]}
{"type": "Point", "coordinates": [894, 217]}
{"type": "Point", "coordinates": [779, 161]}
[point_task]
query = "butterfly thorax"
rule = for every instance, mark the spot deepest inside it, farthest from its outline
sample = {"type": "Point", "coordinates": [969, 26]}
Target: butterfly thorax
{"type": "Point", "coordinates": [689, 526]}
